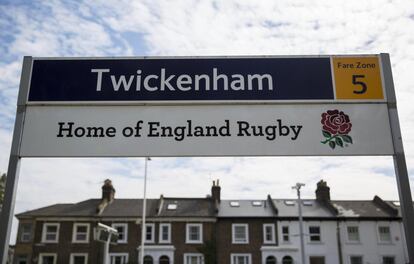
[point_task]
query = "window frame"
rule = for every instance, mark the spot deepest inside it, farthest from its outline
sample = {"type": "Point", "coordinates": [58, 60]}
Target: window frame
{"type": "Point", "coordinates": [285, 234]}
{"type": "Point", "coordinates": [152, 226]}
{"type": "Point", "coordinates": [273, 240]}
{"type": "Point", "coordinates": [248, 255]}
{"type": "Point", "coordinates": [347, 234]}
{"type": "Point", "coordinates": [125, 226]}
{"type": "Point", "coordinates": [194, 255]}
{"type": "Point", "coordinates": [73, 255]}
{"type": "Point", "coordinates": [312, 235]}
{"type": "Point", "coordinates": [187, 235]}
{"type": "Point", "coordinates": [233, 233]}
{"type": "Point", "coordinates": [22, 233]}
{"type": "Point", "coordinates": [358, 256]}
{"type": "Point", "coordinates": [41, 255]}
{"type": "Point", "coordinates": [118, 254]}
{"type": "Point", "coordinates": [74, 232]}
{"type": "Point", "coordinates": [22, 257]}
{"type": "Point", "coordinates": [387, 256]}
{"type": "Point", "coordinates": [160, 238]}
{"type": "Point", "coordinates": [379, 234]}
{"type": "Point", "coordinates": [45, 225]}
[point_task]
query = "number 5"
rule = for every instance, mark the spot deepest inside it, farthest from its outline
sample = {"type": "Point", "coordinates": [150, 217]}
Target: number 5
{"type": "Point", "coordinates": [356, 82]}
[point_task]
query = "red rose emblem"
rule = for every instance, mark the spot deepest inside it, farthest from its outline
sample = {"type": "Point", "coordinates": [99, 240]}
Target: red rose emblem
{"type": "Point", "coordinates": [335, 128]}
{"type": "Point", "coordinates": [336, 122]}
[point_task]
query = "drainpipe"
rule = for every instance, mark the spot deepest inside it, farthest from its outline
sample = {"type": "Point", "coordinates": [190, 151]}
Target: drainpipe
{"type": "Point", "coordinates": [338, 237]}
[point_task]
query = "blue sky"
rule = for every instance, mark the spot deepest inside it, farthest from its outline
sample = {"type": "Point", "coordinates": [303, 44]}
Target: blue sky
{"type": "Point", "coordinates": [202, 28]}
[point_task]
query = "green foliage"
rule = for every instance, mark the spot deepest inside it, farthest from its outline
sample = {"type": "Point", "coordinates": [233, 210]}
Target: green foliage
{"type": "Point", "coordinates": [2, 187]}
{"type": "Point", "coordinates": [208, 249]}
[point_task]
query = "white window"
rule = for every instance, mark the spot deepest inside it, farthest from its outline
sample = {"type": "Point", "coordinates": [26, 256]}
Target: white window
{"type": "Point", "coordinates": [193, 258]}
{"type": "Point", "coordinates": [122, 232]}
{"type": "Point", "coordinates": [353, 233]}
{"type": "Point", "coordinates": [285, 234]}
{"type": "Point", "coordinates": [50, 233]}
{"type": "Point", "coordinates": [240, 233]}
{"type": "Point", "coordinates": [79, 258]}
{"type": "Point", "coordinates": [388, 260]}
{"type": "Point", "coordinates": [80, 233]}
{"type": "Point", "coordinates": [356, 260]}
{"type": "Point", "coordinates": [241, 258]}
{"type": "Point", "coordinates": [165, 233]}
{"type": "Point", "coordinates": [194, 233]}
{"type": "Point", "coordinates": [149, 233]}
{"type": "Point", "coordinates": [269, 233]}
{"type": "Point", "coordinates": [118, 258]}
{"type": "Point", "coordinates": [25, 232]}
{"type": "Point", "coordinates": [314, 233]}
{"type": "Point", "coordinates": [384, 233]}
{"type": "Point", "coordinates": [47, 258]}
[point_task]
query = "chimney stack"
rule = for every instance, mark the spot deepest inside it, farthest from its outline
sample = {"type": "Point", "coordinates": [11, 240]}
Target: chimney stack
{"type": "Point", "coordinates": [323, 191]}
{"type": "Point", "coordinates": [215, 191]}
{"type": "Point", "coordinates": [108, 191]}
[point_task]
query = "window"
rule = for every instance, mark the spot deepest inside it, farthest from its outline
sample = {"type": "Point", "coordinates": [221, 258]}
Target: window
{"type": "Point", "coordinates": [271, 260]}
{"type": "Point", "coordinates": [240, 233]}
{"type": "Point", "coordinates": [165, 233]}
{"type": "Point", "coordinates": [194, 233]}
{"type": "Point", "coordinates": [148, 260]}
{"type": "Point", "coordinates": [353, 233]}
{"type": "Point", "coordinates": [384, 233]}
{"type": "Point", "coordinates": [80, 233]}
{"type": "Point", "coordinates": [315, 233]}
{"type": "Point", "coordinates": [269, 233]}
{"type": "Point", "coordinates": [50, 233]}
{"type": "Point", "coordinates": [289, 202]}
{"type": "Point", "coordinates": [257, 203]}
{"type": "Point", "coordinates": [122, 232]}
{"type": "Point", "coordinates": [47, 258]}
{"type": "Point", "coordinates": [118, 258]}
{"type": "Point", "coordinates": [193, 259]}
{"type": "Point", "coordinates": [149, 233]}
{"type": "Point", "coordinates": [25, 232]}
{"type": "Point", "coordinates": [78, 258]}
{"type": "Point", "coordinates": [316, 260]}
{"type": "Point", "coordinates": [22, 259]}
{"type": "Point", "coordinates": [240, 258]}
{"type": "Point", "coordinates": [164, 260]}
{"type": "Point", "coordinates": [388, 260]}
{"type": "Point", "coordinates": [285, 234]}
{"type": "Point", "coordinates": [287, 260]}
{"type": "Point", "coordinates": [172, 207]}
{"type": "Point", "coordinates": [234, 204]}
{"type": "Point", "coordinates": [356, 260]}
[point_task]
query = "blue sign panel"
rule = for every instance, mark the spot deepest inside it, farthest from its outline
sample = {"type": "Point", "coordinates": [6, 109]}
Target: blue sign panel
{"type": "Point", "coordinates": [181, 79]}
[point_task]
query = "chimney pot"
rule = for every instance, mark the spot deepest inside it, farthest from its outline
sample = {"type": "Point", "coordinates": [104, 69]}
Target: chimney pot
{"type": "Point", "coordinates": [322, 191]}
{"type": "Point", "coordinates": [108, 191]}
{"type": "Point", "coordinates": [215, 191]}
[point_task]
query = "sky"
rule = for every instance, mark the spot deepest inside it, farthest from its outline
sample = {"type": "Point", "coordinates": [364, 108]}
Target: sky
{"type": "Point", "coordinates": [204, 28]}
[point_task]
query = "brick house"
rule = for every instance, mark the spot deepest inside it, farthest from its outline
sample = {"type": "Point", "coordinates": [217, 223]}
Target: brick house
{"type": "Point", "coordinates": [213, 230]}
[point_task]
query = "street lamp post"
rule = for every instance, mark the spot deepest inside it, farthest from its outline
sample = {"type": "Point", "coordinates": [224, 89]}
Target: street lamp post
{"type": "Point", "coordinates": [302, 243]}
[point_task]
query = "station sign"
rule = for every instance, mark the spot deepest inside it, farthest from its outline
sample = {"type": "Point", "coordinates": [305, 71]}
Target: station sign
{"type": "Point", "coordinates": [220, 106]}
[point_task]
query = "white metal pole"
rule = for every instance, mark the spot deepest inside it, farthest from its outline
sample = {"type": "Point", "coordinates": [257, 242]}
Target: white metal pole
{"type": "Point", "coordinates": [301, 234]}
{"type": "Point", "coordinates": [144, 208]}
{"type": "Point", "coordinates": [106, 250]}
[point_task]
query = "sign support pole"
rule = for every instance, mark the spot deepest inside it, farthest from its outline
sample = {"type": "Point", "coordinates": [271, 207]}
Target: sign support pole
{"type": "Point", "coordinates": [407, 207]}
{"type": "Point", "coordinates": [6, 217]}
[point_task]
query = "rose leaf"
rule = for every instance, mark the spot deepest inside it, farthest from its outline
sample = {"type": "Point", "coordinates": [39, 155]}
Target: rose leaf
{"type": "Point", "coordinates": [339, 142]}
{"type": "Point", "coordinates": [347, 139]}
{"type": "Point", "coordinates": [326, 134]}
{"type": "Point", "coordinates": [332, 144]}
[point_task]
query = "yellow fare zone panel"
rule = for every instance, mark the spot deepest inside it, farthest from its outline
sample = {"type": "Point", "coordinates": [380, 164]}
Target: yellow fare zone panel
{"type": "Point", "coordinates": [357, 78]}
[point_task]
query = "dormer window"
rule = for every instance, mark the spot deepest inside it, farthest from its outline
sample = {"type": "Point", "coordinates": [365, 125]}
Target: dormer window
{"type": "Point", "coordinates": [257, 203]}
{"type": "Point", "coordinates": [289, 202]}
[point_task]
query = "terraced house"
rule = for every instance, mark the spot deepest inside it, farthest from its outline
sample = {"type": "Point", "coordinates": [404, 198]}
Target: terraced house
{"type": "Point", "coordinates": [212, 230]}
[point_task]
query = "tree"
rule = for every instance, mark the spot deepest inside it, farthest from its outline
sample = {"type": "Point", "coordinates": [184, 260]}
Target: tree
{"type": "Point", "coordinates": [2, 188]}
